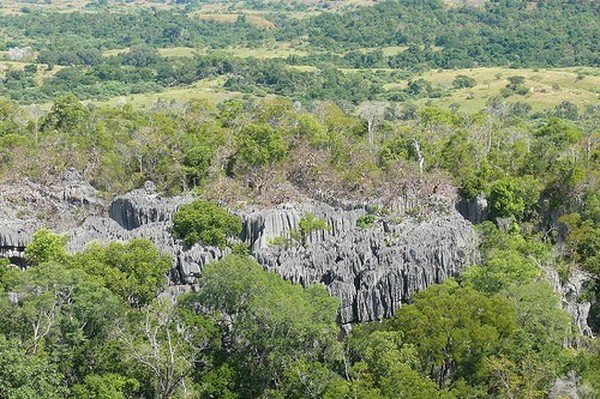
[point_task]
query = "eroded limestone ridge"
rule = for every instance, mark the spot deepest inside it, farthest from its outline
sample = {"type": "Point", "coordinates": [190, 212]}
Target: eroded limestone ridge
{"type": "Point", "coordinates": [407, 244]}
{"type": "Point", "coordinates": [372, 267]}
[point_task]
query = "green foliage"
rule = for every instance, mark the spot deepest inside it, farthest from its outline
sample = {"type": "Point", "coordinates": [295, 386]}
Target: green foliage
{"type": "Point", "coordinates": [455, 329]}
{"type": "Point", "coordinates": [67, 113]}
{"type": "Point", "coordinates": [567, 110]}
{"type": "Point", "coordinates": [560, 132]}
{"type": "Point", "coordinates": [463, 81]}
{"type": "Point", "coordinates": [100, 325]}
{"type": "Point", "coordinates": [309, 223]}
{"type": "Point", "coordinates": [135, 271]}
{"type": "Point", "coordinates": [46, 246]}
{"type": "Point", "coordinates": [274, 324]}
{"type": "Point", "coordinates": [501, 269]}
{"type": "Point", "coordinates": [108, 386]}
{"type": "Point", "coordinates": [505, 201]}
{"type": "Point", "coordinates": [27, 376]}
{"type": "Point", "coordinates": [514, 197]}
{"type": "Point", "coordinates": [366, 221]}
{"type": "Point", "coordinates": [260, 145]}
{"type": "Point", "coordinates": [207, 222]}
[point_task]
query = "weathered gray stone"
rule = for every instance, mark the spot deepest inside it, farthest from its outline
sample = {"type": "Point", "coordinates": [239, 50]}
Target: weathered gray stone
{"type": "Point", "coordinates": [144, 206]}
{"type": "Point", "coordinates": [13, 240]}
{"type": "Point", "coordinates": [474, 210]}
{"type": "Point", "coordinates": [412, 245]}
{"type": "Point", "coordinates": [565, 387]}
{"type": "Point", "coordinates": [570, 294]}
{"type": "Point", "coordinates": [373, 270]}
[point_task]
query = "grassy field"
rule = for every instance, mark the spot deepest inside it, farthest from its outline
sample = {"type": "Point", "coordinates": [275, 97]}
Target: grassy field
{"type": "Point", "coordinates": [42, 73]}
{"type": "Point", "coordinates": [253, 19]}
{"type": "Point", "coordinates": [547, 87]}
{"type": "Point", "coordinates": [208, 89]}
{"type": "Point", "coordinates": [279, 50]}
{"type": "Point", "coordinates": [165, 52]}
{"type": "Point", "coordinates": [275, 51]}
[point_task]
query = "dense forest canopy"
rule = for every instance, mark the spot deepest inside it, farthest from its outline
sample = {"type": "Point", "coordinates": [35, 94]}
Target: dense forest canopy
{"type": "Point", "coordinates": [246, 105]}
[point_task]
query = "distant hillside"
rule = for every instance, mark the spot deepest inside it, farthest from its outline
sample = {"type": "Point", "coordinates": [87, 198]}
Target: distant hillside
{"type": "Point", "coordinates": [549, 33]}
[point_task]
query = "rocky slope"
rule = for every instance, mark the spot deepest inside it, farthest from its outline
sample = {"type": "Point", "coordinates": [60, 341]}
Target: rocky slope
{"type": "Point", "coordinates": [372, 269]}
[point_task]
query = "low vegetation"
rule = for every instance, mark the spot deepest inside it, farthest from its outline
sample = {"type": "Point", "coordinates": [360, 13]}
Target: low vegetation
{"type": "Point", "coordinates": [205, 222]}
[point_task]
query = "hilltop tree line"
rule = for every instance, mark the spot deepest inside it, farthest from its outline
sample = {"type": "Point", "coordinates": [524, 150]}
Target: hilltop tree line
{"type": "Point", "coordinates": [508, 32]}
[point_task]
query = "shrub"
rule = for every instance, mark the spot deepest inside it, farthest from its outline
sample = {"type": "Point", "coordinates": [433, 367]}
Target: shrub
{"type": "Point", "coordinates": [366, 221]}
{"type": "Point", "coordinates": [463, 81]}
{"type": "Point", "coordinates": [207, 222]}
{"type": "Point", "coordinates": [309, 223]}
{"type": "Point", "coordinates": [46, 246]}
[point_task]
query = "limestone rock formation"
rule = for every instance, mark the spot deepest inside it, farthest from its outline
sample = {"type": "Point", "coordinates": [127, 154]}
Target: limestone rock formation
{"type": "Point", "coordinates": [27, 206]}
{"type": "Point", "coordinates": [474, 210]}
{"type": "Point", "coordinates": [565, 387]}
{"type": "Point", "coordinates": [14, 237]}
{"type": "Point", "coordinates": [570, 294]}
{"type": "Point", "coordinates": [372, 269]}
{"type": "Point", "coordinates": [143, 206]}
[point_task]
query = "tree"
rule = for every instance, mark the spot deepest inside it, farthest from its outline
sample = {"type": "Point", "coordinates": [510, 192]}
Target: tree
{"type": "Point", "coordinates": [67, 113]}
{"type": "Point", "coordinates": [36, 113]}
{"type": "Point", "coordinates": [463, 81]}
{"type": "Point", "coordinates": [505, 200]}
{"type": "Point", "coordinates": [567, 110]}
{"type": "Point", "coordinates": [61, 312]}
{"type": "Point", "coordinates": [207, 222]}
{"type": "Point", "coordinates": [372, 112]}
{"type": "Point", "coordinates": [260, 145]}
{"type": "Point", "coordinates": [454, 329]}
{"type": "Point", "coordinates": [501, 269]}
{"type": "Point", "coordinates": [167, 345]}
{"type": "Point", "coordinates": [135, 271]}
{"type": "Point", "coordinates": [385, 366]}
{"type": "Point", "coordinates": [27, 376]}
{"type": "Point", "coordinates": [559, 132]}
{"type": "Point", "coordinates": [107, 386]}
{"type": "Point", "coordinates": [141, 57]}
{"type": "Point", "coordinates": [267, 325]}
{"type": "Point", "coordinates": [309, 223]}
{"type": "Point", "coordinates": [46, 246]}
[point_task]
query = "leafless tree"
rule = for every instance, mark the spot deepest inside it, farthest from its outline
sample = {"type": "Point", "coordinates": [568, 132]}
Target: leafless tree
{"type": "Point", "coordinates": [36, 113]}
{"type": "Point", "coordinates": [165, 346]}
{"type": "Point", "coordinates": [420, 156]}
{"type": "Point", "coordinates": [372, 112]}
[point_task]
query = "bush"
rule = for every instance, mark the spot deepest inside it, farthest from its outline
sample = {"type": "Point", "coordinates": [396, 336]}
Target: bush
{"type": "Point", "coordinates": [366, 221]}
{"type": "Point", "coordinates": [260, 145]}
{"type": "Point", "coordinates": [463, 81]}
{"type": "Point", "coordinates": [207, 222]}
{"type": "Point", "coordinates": [309, 223]}
{"type": "Point", "coordinates": [46, 246]}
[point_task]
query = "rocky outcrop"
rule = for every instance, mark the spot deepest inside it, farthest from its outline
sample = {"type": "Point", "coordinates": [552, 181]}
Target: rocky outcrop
{"type": "Point", "coordinates": [26, 206]}
{"type": "Point", "coordinates": [474, 210]}
{"type": "Point", "coordinates": [14, 237]}
{"type": "Point", "coordinates": [570, 292]}
{"type": "Point", "coordinates": [372, 269]}
{"type": "Point", "coordinates": [143, 206]}
{"type": "Point", "coordinates": [565, 387]}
